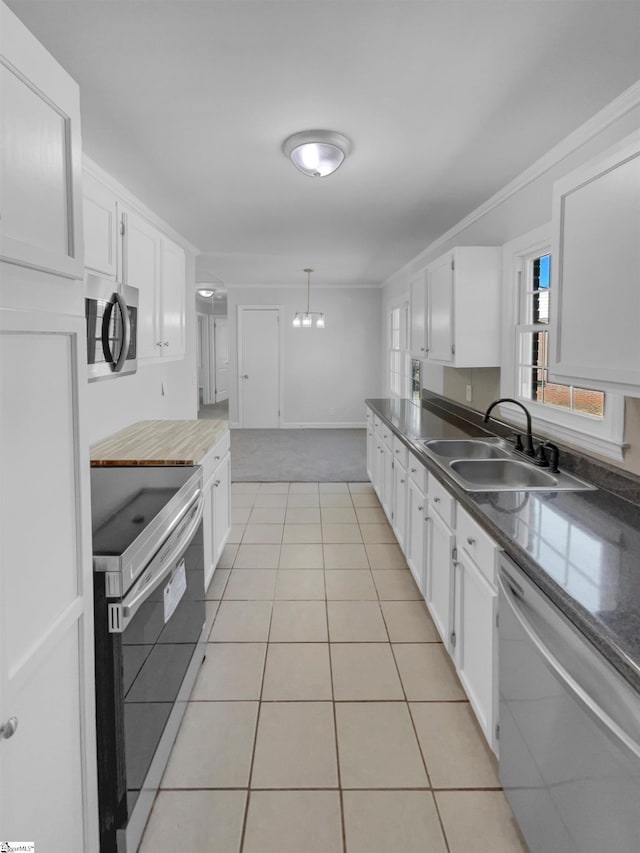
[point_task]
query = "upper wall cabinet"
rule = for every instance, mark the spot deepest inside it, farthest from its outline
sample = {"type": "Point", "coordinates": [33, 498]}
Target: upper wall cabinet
{"type": "Point", "coordinates": [100, 217]}
{"type": "Point", "coordinates": [418, 304]}
{"type": "Point", "coordinates": [596, 273]}
{"type": "Point", "coordinates": [463, 307]}
{"type": "Point", "coordinates": [41, 157]}
{"type": "Point", "coordinates": [155, 265]}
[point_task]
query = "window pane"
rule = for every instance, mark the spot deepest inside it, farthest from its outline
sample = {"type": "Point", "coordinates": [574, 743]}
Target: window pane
{"type": "Point", "coordinates": [532, 383]}
{"type": "Point", "coordinates": [541, 306]}
{"type": "Point", "coordinates": [533, 348]}
{"type": "Point", "coordinates": [557, 395]}
{"type": "Point", "coordinates": [588, 402]}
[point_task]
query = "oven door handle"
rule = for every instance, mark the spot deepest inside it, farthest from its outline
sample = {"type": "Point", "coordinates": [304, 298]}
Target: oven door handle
{"type": "Point", "coordinates": [120, 614]}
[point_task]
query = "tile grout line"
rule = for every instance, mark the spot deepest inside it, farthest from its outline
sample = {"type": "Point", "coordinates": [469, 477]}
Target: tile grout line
{"type": "Point", "coordinates": [255, 737]}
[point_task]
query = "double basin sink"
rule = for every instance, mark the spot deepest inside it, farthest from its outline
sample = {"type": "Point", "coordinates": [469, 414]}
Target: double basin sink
{"type": "Point", "coordinates": [490, 465]}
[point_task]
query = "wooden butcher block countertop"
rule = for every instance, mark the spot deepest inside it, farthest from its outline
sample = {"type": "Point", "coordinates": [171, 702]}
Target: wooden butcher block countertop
{"type": "Point", "coordinates": [159, 443]}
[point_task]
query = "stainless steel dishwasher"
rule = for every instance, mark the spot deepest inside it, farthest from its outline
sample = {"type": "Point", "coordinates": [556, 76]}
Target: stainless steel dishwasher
{"type": "Point", "coordinates": [569, 729]}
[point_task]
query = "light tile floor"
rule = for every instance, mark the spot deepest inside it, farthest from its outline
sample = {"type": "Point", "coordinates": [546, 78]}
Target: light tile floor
{"type": "Point", "coordinates": [327, 716]}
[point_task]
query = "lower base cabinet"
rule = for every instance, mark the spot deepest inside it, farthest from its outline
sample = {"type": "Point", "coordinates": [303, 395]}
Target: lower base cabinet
{"type": "Point", "coordinates": [476, 649]}
{"type": "Point", "coordinates": [216, 521]}
{"type": "Point", "coordinates": [452, 560]}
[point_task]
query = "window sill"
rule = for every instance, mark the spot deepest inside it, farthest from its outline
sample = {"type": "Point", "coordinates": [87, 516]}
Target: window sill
{"type": "Point", "coordinates": [610, 444]}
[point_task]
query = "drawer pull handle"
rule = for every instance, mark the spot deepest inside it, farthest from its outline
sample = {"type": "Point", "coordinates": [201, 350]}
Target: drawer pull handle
{"type": "Point", "coordinates": [436, 500]}
{"type": "Point", "coordinates": [402, 481]}
{"type": "Point", "coordinates": [217, 483]}
{"type": "Point", "coordinates": [420, 509]}
{"type": "Point", "coordinates": [471, 540]}
{"type": "Point", "coordinates": [413, 470]}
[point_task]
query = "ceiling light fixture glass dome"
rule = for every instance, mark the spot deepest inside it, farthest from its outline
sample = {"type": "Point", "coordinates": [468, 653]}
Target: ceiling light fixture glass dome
{"type": "Point", "coordinates": [317, 153]}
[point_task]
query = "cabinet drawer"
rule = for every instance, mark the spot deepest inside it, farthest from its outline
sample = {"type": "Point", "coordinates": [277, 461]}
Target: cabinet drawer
{"type": "Point", "coordinates": [477, 544]}
{"type": "Point", "coordinates": [215, 455]}
{"type": "Point", "coordinates": [400, 451]}
{"type": "Point", "coordinates": [417, 473]}
{"type": "Point", "coordinates": [442, 502]}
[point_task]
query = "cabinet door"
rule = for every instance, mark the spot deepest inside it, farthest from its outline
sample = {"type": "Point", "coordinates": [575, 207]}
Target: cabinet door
{"type": "Point", "coordinates": [48, 774]}
{"type": "Point", "coordinates": [476, 642]}
{"type": "Point", "coordinates": [416, 534]}
{"type": "Point", "coordinates": [400, 489]}
{"type": "Point", "coordinates": [378, 466]}
{"type": "Point", "coordinates": [172, 309]}
{"type": "Point", "coordinates": [221, 494]}
{"type": "Point", "coordinates": [387, 481]}
{"type": "Point", "coordinates": [100, 219]}
{"type": "Point", "coordinates": [440, 576]}
{"type": "Point", "coordinates": [595, 263]}
{"type": "Point", "coordinates": [371, 452]}
{"type": "Point", "coordinates": [141, 269]}
{"type": "Point", "coordinates": [40, 166]}
{"type": "Point", "coordinates": [418, 329]}
{"type": "Point", "coordinates": [440, 332]}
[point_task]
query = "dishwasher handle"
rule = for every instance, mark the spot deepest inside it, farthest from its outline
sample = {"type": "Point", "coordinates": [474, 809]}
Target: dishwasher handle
{"type": "Point", "coordinates": [120, 614]}
{"type": "Point", "coordinates": [512, 592]}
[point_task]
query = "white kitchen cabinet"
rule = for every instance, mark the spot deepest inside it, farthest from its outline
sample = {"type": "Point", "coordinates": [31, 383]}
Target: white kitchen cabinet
{"type": "Point", "coordinates": [476, 628]}
{"type": "Point", "coordinates": [416, 540]}
{"type": "Point", "coordinates": [216, 474]}
{"type": "Point", "coordinates": [41, 157]}
{"type": "Point", "coordinates": [400, 494]}
{"type": "Point", "coordinates": [100, 222]}
{"type": "Point", "coordinates": [463, 307]}
{"type": "Point", "coordinates": [371, 446]}
{"type": "Point", "coordinates": [476, 642]}
{"type": "Point", "coordinates": [48, 777]}
{"type": "Point", "coordinates": [418, 315]}
{"type": "Point", "coordinates": [387, 480]}
{"type": "Point", "coordinates": [156, 266]}
{"type": "Point", "coordinates": [440, 574]}
{"type": "Point", "coordinates": [595, 298]}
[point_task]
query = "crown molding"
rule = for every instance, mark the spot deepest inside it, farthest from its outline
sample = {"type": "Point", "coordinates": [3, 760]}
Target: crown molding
{"type": "Point", "coordinates": [615, 110]}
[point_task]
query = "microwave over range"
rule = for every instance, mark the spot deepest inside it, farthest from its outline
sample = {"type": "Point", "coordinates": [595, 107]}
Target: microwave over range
{"type": "Point", "coordinates": [111, 312]}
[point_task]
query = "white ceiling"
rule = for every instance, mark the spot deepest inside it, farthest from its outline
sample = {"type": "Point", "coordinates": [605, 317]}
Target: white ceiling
{"type": "Point", "coordinates": [188, 103]}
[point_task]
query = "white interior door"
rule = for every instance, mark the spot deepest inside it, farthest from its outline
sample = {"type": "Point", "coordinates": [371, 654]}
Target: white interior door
{"type": "Point", "coordinates": [221, 337]}
{"type": "Point", "coordinates": [259, 362]}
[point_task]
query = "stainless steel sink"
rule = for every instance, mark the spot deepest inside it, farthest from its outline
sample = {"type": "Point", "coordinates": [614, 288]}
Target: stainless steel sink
{"type": "Point", "coordinates": [469, 448]}
{"type": "Point", "coordinates": [493, 475]}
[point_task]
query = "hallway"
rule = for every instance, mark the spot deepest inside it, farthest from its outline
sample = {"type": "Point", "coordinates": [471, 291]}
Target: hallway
{"type": "Point", "coordinates": [327, 717]}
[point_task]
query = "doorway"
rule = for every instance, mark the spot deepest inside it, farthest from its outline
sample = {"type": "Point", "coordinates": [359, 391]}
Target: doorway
{"type": "Point", "coordinates": [259, 361]}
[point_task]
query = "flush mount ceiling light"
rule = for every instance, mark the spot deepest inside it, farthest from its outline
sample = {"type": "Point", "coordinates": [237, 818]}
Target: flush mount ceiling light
{"type": "Point", "coordinates": [305, 320]}
{"type": "Point", "coordinates": [317, 153]}
{"type": "Point", "coordinates": [206, 292]}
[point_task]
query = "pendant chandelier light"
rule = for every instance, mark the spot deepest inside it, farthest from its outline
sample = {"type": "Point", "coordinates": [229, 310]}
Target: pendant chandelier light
{"type": "Point", "coordinates": [305, 320]}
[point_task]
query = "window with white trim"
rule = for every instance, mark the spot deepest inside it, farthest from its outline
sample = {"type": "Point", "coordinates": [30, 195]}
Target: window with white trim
{"type": "Point", "coordinates": [576, 415]}
{"type": "Point", "coordinates": [399, 361]}
{"type": "Point", "coordinates": [533, 346]}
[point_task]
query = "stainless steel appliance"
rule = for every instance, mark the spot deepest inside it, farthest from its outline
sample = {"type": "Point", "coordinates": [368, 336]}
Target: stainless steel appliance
{"type": "Point", "coordinates": [569, 730]}
{"type": "Point", "coordinates": [111, 312]}
{"type": "Point", "coordinates": [149, 632]}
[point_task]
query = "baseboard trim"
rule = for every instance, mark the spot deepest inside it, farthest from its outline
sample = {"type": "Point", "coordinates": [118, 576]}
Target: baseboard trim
{"type": "Point", "coordinates": [331, 425]}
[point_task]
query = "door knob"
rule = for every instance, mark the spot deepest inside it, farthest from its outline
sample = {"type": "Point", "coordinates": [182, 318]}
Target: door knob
{"type": "Point", "coordinates": [8, 729]}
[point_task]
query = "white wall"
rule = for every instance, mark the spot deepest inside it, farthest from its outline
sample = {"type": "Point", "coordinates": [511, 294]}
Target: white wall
{"type": "Point", "coordinates": [116, 403]}
{"type": "Point", "coordinates": [323, 369]}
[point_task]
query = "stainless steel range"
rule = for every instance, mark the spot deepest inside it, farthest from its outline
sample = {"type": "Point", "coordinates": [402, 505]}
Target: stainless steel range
{"type": "Point", "coordinates": [149, 628]}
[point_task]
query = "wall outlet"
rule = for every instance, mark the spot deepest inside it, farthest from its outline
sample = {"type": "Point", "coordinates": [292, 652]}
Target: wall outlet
{"type": "Point", "coordinates": [469, 393]}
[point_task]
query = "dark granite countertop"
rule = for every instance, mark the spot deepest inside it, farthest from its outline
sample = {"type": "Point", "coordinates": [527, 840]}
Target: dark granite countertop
{"type": "Point", "coordinates": [581, 548]}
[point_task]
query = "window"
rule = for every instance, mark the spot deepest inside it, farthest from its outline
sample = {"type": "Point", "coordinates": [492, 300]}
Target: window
{"type": "Point", "coordinates": [399, 361]}
{"type": "Point", "coordinates": [575, 415]}
{"type": "Point", "coordinates": [533, 349]}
